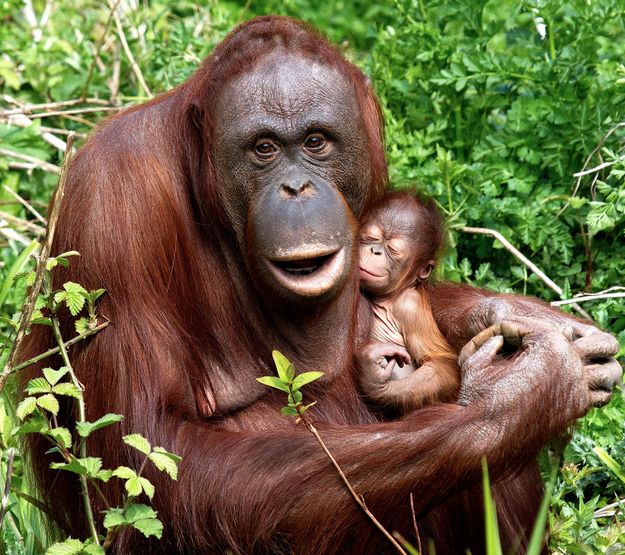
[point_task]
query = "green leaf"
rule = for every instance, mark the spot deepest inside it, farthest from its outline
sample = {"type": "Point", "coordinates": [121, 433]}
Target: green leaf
{"type": "Point", "coordinates": [74, 297]}
{"type": "Point", "coordinates": [138, 442]}
{"type": "Point", "coordinates": [149, 527]}
{"type": "Point", "coordinates": [61, 436]}
{"type": "Point", "coordinates": [68, 389]}
{"type": "Point", "coordinates": [53, 376]}
{"type": "Point", "coordinates": [88, 466]}
{"type": "Point", "coordinates": [68, 547]}
{"type": "Point", "coordinates": [493, 542]}
{"type": "Point", "coordinates": [288, 411]}
{"type": "Point", "coordinates": [165, 463]}
{"type": "Point", "coordinates": [610, 463]}
{"type": "Point", "coordinates": [49, 402]}
{"type": "Point", "coordinates": [272, 381]}
{"type": "Point", "coordinates": [93, 549]}
{"type": "Point", "coordinates": [133, 486]}
{"type": "Point", "coordinates": [285, 369]}
{"type": "Point", "coordinates": [81, 325]}
{"type": "Point", "coordinates": [124, 472]}
{"type": "Point", "coordinates": [104, 475]}
{"type": "Point", "coordinates": [305, 378]}
{"type": "Point", "coordinates": [138, 511]}
{"type": "Point", "coordinates": [38, 385]}
{"type": "Point", "coordinates": [37, 423]}
{"type": "Point", "coordinates": [85, 429]}
{"type": "Point", "coordinates": [147, 486]}
{"type": "Point", "coordinates": [26, 407]}
{"type": "Point", "coordinates": [114, 517]}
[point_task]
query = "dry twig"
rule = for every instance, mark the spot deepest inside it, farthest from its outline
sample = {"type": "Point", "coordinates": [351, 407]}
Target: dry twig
{"type": "Point", "coordinates": [525, 261]}
{"type": "Point", "coordinates": [42, 259]}
{"type": "Point", "coordinates": [41, 164]}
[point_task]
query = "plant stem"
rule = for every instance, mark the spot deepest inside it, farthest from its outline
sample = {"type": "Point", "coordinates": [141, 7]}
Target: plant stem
{"type": "Point", "coordinates": [351, 490]}
{"type": "Point", "coordinates": [55, 350]}
{"type": "Point", "coordinates": [81, 418]}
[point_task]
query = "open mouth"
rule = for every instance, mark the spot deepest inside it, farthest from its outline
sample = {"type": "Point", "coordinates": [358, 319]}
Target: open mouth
{"type": "Point", "coordinates": [309, 274]}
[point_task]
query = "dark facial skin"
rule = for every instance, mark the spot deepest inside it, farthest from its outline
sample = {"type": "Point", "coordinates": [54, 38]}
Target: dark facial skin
{"type": "Point", "coordinates": [293, 163]}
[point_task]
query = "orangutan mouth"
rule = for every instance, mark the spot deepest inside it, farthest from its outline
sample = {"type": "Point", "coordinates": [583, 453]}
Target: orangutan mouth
{"type": "Point", "coordinates": [311, 273]}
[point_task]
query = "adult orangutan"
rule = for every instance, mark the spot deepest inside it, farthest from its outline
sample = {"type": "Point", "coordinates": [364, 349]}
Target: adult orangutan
{"type": "Point", "coordinates": [221, 217]}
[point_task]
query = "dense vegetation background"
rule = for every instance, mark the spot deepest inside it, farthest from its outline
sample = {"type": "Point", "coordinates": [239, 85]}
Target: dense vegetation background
{"type": "Point", "coordinates": [511, 113]}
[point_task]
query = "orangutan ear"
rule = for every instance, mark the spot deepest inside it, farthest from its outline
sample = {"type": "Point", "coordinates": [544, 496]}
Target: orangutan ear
{"type": "Point", "coordinates": [426, 270]}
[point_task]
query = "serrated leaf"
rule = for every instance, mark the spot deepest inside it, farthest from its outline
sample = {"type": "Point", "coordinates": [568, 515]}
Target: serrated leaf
{"type": "Point", "coordinates": [61, 436]}
{"type": "Point", "coordinates": [133, 486]}
{"type": "Point", "coordinates": [81, 325]}
{"type": "Point", "coordinates": [26, 407]}
{"type": "Point", "coordinates": [165, 463]}
{"type": "Point", "coordinates": [88, 466]}
{"type": "Point", "coordinates": [272, 381]}
{"type": "Point", "coordinates": [84, 429]}
{"type": "Point", "coordinates": [289, 411]}
{"type": "Point", "coordinates": [114, 517]}
{"type": "Point", "coordinates": [149, 527]}
{"type": "Point", "coordinates": [35, 424]}
{"type": "Point", "coordinates": [68, 389]}
{"type": "Point", "coordinates": [38, 385]}
{"type": "Point", "coordinates": [172, 456]}
{"type": "Point", "coordinates": [48, 402]}
{"type": "Point", "coordinates": [96, 294]}
{"type": "Point", "coordinates": [93, 549]}
{"type": "Point", "coordinates": [104, 475]}
{"type": "Point", "coordinates": [138, 442]}
{"type": "Point", "coordinates": [68, 547]}
{"type": "Point", "coordinates": [53, 376]}
{"type": "Point", "coordinates": [285, 369]}
{"type": "Point", "coordinates": [124, 472]}
{"type": "Point", "coordinates": [147, 486]}
{"type": "Point", "coordinates": [138, 511]}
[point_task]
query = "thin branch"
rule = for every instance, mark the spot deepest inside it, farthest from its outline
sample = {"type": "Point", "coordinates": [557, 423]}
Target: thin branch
{"type": "Point", "coordinates": [414, 522]}
{"type": "Point", "coordinates": [73, 111]}
{"type": "Point", "coordinates": [42, 259]}
{"type": "Point", "coordinates": [599, 167]}
{"type": "Point", "coordinates": [526, 261]}
{"type": "Point", "coordinates": [30, 108]}
{"type": "Point", "coordinates": [56, 350]}
{"type": "Point", "coordinates": [26, 225]}
{"type": "Point", "coordinates": [608, 510]}
{"type": "Point", "coordinates": [22, 121]}
{"type": "Point", "coordinates": [585, 298]}
{"type": "Point", "coordinates": [25, 204]}
{"type": "Point", "coordinates": [41, 164]}
{"type": "Point", "coordinates": [7, 484]}
{"type": "Point", "coordinates": [348, 485]}
{"type": "Point", "coordinates": [133, 64]}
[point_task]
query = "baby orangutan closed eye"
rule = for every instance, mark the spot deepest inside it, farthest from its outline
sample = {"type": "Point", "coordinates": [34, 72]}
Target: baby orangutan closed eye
{"type": "Point", "coordinates": [411, 362]}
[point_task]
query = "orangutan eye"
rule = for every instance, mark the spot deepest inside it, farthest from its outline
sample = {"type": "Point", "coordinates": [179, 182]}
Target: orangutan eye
{"type": "Point", "coordinates": [315, 143]}
{"type": "Point", "coordinates": [265, 149]}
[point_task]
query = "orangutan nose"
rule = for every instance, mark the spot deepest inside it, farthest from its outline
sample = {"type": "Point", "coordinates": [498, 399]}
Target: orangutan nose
{"type": "Point", "coordinates": [294, 189]}
{"type": "Point", "coordinates": [377, 249]}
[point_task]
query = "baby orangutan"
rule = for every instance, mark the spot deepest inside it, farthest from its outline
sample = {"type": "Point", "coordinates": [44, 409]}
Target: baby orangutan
{"type": "Point", "coordinates": [414, 365]}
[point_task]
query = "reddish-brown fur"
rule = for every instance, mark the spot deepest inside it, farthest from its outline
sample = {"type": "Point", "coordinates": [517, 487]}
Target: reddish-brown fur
{"type": "Point", "coordinates": [189, 334]}
{"type": "Point", "coordinates": [403, 315]}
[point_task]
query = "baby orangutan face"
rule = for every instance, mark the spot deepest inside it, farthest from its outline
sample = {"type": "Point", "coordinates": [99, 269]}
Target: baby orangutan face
{"type": "Point", "coordinates": [384, 259]}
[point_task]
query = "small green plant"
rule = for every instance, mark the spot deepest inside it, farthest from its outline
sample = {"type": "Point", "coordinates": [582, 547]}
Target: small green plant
{"type": "Point", "coordinates": [38, 413]}
{"type": "Point", "coordinates": [291, 383]}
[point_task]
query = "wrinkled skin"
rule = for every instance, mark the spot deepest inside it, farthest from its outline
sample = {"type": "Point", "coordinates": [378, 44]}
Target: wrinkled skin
{"type": "Point", "coordinates": [196, 308]}
{"type": "Point", "coordinates": [291, 152]}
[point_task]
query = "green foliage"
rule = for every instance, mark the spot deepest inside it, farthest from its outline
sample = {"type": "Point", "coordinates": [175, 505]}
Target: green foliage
{"type": "Point", "coordinates": [492, 107]}
{"type": "Point", "coordinates": [291, 383]}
